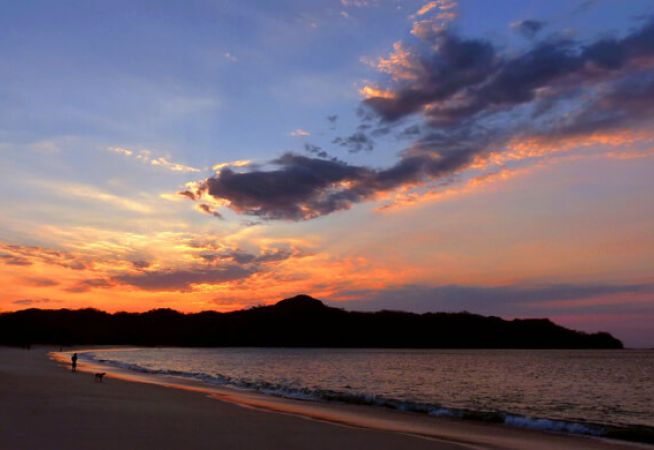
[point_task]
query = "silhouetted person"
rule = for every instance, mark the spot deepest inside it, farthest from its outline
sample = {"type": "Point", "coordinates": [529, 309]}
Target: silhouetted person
{"type": "Point", "coordinates": [74, 361]}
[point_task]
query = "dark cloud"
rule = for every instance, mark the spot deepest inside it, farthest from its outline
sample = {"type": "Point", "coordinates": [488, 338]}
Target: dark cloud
{"type": "Point", "coordinates": [276, 255]}
{"type": "Point", "coordinates": [234, 255]}
{"type": "Point", "coordinates": [140, 264]}
{"type": "Point", "coordinates": [209, 210]}
{"type": "Point", "coordinates": [240, 257]}
{"type": "Point", "coordinates": [512, 300]}
{"type": "Point", "coordinates": [302, 188]}
{"type": "Point", "coordinates": [315, 150]}
{"type": "Point", "coordinates": [332, 118]}
{"type": "Point", "coordinates": [356, 142]}
{"type": "Point", "coordinates": [457, 65]}
{"type": "Point", "coordinates": [625, 103]}
{"type": "Point", "coordinates": [298, 189]}
{"type": "Point", "coordinates": [187, 194]}
{"type": "Point", "coordinates": [182, 280]}
{"type": "Point", "coordinates": [91, 283]}
{"type": "Point", "coordinates": [473, 98]}
{"type": "Point", "coordinates": [25, 255]}
{"type": "Point", "coordinates": [33, 301]}
{"type": "Point", "coordinates": [215, 264]}
{"type": "Point", "coordinates": [410, 132]}
{"type": "Point", "coordinates": [257, 260]}
{"type": "Point", "coordinates": [584, 6]}
{"type": "Point", "coordinates": [469, 77]}
{"type": "Point", "coordinates": [528, 28]}
{"type": "Point", "coordinates": [14, 260]}
{"type": "Point", "coordinates": [40, 281]}
{"type": "Point", "coordinates": [381, 131]}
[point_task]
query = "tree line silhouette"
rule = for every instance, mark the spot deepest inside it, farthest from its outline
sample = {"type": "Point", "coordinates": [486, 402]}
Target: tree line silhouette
{"type": "Point", "coordinates": [300, 321]}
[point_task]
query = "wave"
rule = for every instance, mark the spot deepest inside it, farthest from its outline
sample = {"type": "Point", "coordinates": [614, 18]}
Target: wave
{"type": "Point", "coordinates": [631, 433]}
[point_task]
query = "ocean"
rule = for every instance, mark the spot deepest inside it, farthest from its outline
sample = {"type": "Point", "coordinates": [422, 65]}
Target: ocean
{"type": "Point", "coordinates": [595, 392]}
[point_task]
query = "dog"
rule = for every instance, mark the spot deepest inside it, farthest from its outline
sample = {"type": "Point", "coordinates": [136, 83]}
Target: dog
{"type": "Point", "coordinates": [99, 376]}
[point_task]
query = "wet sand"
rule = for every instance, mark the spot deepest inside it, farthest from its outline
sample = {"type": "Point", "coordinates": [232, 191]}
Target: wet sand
{"type": "Point", "coordinates": [44, 405]}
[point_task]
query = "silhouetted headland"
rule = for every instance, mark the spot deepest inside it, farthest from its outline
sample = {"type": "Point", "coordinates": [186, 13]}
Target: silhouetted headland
{"type": "Point", "coordinates": [301, 321]}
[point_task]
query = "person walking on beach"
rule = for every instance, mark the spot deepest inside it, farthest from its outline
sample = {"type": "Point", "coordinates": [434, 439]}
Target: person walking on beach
{"type": "Point", "coordinates": [74, 361]}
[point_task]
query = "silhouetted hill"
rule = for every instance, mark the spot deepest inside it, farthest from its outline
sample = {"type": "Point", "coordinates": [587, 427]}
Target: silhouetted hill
{"type": "Point", "coordinates": [299, 303]}
{"type": "Point", "coordinates": [301, 321]}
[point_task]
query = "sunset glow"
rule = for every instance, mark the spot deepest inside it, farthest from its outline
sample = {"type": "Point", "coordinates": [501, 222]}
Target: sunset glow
{"type": "Point", "coordinates": [420, 156]}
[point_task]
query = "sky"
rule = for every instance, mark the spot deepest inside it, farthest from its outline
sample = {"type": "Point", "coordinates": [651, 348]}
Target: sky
{"type": "Point", "coordinates": [490, 157]}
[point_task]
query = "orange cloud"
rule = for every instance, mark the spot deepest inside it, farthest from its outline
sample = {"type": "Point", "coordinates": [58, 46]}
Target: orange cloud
{"type": "Point", "coordinates": [373, 92]}
{"type": "Point", "coordinates": [534, 147]}
{"type": "Point", "coordinates": [410, 196]}
{"type": "Point", "coordinates": [630, 154]}
{"type": "Point", "coordinates": [399, 64]}
{"type": "Point", "coordinates": [494, 165]}
{"type": "Point", "coordinates": [437, 4]}
{"type": "Point", "coordinates": [240, 163]}
{"type": "Point", "coordinates": [183, 271]}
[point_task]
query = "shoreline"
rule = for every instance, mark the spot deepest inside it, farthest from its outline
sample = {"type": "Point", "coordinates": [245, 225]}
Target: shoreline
{"type": "Point", "coordinates": [320, 405]}
{"type": "Point", "coordinates": [445, 431]}
{"type": "Point", "coordinates": [43, 405]}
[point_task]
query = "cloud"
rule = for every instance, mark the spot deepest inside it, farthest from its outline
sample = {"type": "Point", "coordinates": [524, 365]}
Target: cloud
{"type": "Point", "coordinates": [145, 156]}
{"type": "Point", "coordinates": [239, 163]}
{"type": "Point", "coordinates": [528, 28]}
{"type": "Point", "coordinates": [25, 255]}
{"type": "Point", "coordinates": [468, 79]}
{"type": "Point", "coordinates": [40, 281]}
{"type": "Point", "coordinates": [632, 154]}
{"type": "Point", "coordinates": [172, 166]}
{"type": "Point", "coordinates": [625, 103]}
{"type": "Point", "coordinates": [298, 189]}
{"type": "Point", "coordinates": [409, 132]}
{"type": "Point", "coordinates": [509, 300]}
{"type": "Point", "coordinates": [33, 301]}
{"type": "Point", "coordinates": [89, 284]}
{"type": "Point", "coordinates": [584, 6]}
{"type": "Point", "coordinates": [299, 133]}
{"type": "Point", "coordinates": [474, 102]}
{"type": "Point", "coordinates": [359, 3]}
{"type": "Point", "coordinates": [356, 142]}
{"type": "Point", "coordinates": [433, 17]}
{"type": "Point", "coordinates": [141, 264]}
{"type": "Point", "coordinates": [315, 150]}
{"type": "Point", "coordinates": [166, 261]}
{"type": "Point", "coordinates": [92, 193]}
{"type": "Point", "coordinates": [435, 5]}
{"type": "Point", "coordinates": [122, 151]}
{"type": "Point", "coordinates": [208, 209]}
{"type": "Point", "coordinates": [14, 260]}
{"type": "Point", "coordinates": [238, 256]}
{"type": "Point", "coordinates": [444, 191]}
{"type": "Point", "coordinates": [230, 57]}
{"type": "Point", "coordinates": [183, 280]}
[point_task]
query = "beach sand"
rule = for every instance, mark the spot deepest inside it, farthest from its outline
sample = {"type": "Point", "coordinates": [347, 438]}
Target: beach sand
{"type": "Point", "coordinates": [45, 406]}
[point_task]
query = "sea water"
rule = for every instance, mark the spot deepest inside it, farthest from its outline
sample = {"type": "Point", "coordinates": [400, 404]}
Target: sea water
{"type": "Point", "coordinates": [597, 392]}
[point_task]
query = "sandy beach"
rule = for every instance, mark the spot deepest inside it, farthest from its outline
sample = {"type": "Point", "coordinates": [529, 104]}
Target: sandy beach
{"type": "Point", "coordinates": [44, 405]}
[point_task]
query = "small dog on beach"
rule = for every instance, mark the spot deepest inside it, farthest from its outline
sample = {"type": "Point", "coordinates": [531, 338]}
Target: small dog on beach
{"type": "Point", "coordinates": [99, 376]}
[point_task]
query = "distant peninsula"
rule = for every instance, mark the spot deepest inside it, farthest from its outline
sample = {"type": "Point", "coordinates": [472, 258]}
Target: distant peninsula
{"type": "Point", "coordinates": [301, 321]}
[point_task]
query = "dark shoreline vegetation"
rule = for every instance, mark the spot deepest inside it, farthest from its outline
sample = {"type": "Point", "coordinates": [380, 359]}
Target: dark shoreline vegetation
{"type": "Point", "coordinates": [301, 321]}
